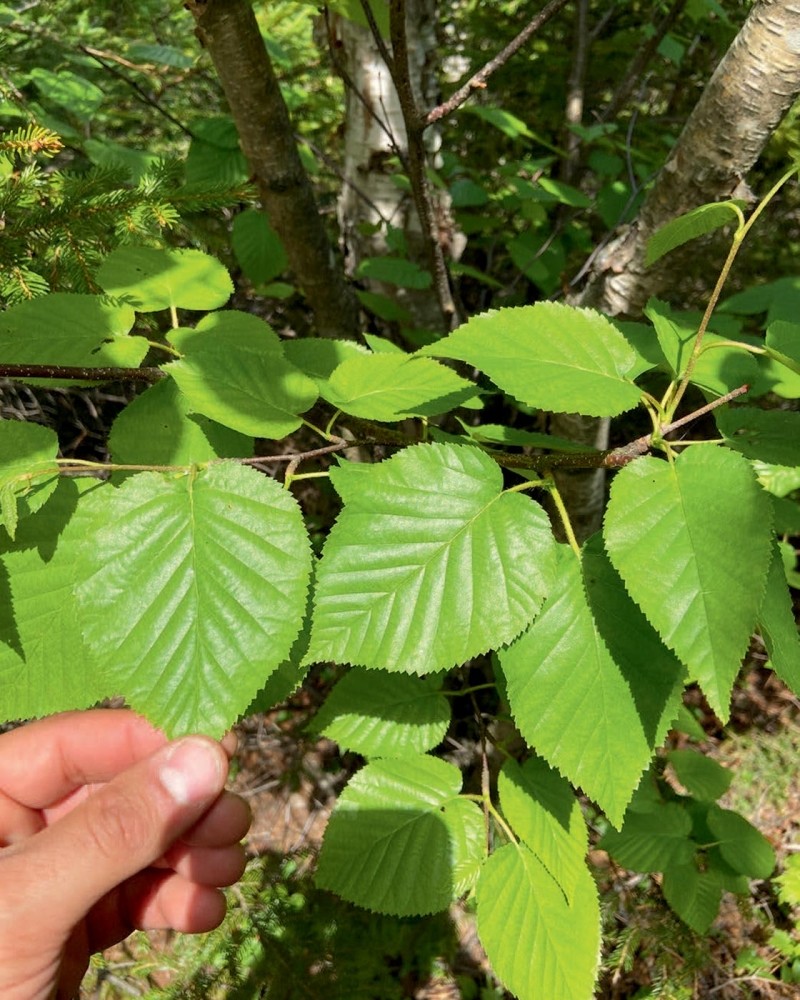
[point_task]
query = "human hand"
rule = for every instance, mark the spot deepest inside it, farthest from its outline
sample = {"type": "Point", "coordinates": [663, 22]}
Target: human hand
{"type": "Point", "coordinates": [106, 828]}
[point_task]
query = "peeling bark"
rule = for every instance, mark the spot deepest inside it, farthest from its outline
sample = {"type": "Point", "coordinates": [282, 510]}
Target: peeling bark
{"type": "Point", "coordinates": [229, 31]}
{"type": "Point", "coordinates": [754, 85]}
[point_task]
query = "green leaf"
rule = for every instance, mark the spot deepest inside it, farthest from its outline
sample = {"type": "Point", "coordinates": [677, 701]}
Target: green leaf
{"type": "Point", "coordinates": [566, 194]}
{"type": "Point", "coordinates": [28, 473]}
{"type": "Point", "coordinates": [389, 387]}
{"type": "Point", "coordinates": [45, 666]}
{"type": "Point", "coordinates": [384, 715]}
{"type": "Point", "coordinates": [188, 581]}
{"type": "Point", "coordinates": [231, 329]}
{"type": "Point", "coordinates": [789, 882]}
{"type": "Point", "coordinates": [779, 480]}
{"type": "Point", "coordinates": [64, 328]}
{"type": "Point", "coordinates": [215, 157]}
{"type": "Point", "coordinates": [257, 247]}
{"type": "Point", "coordinates": [690, 226]}
{"type": "Point", "coordinates": [69, 91]}
{"type": "Point", "coordinates": [394, 271]}
{"type": "Point", "coordinates": [550, 356]}
{"type": "Point", "coordinates": [151, 279]}
{"type": "Point", "coordinates": [652, 841]}
{"type": "Point", "coordinates": [384, 307]}
{"type": "Point", "coordinates": [692, 541]}
{"type": "Point", "coordinates": [742, 846]}
{"type": "Point", "coordinates": [781, 365]}
{"type": "Point", "coordinates": [250, 388]}
{"type": "Point", "coordinates": [770, 435]}
{"type": "Point", "coordinates": [777, 626]}
{"type": "Point", "coordinates": [429, 563]}
{"type": "Point", "coordinates": [701, 776]}
{"type": "Point", "coordinates": [317, 357]}
{"type": "Point", "coordinates": [399, 836]}
{"type": "Point", "coordinates": [542, 947]}
{"type": "Point", "coordinates": [562, 678]}
{"type": "Point", "coordinates": [380, 345]}
{"type": "Point", "coordinates": [694, 895]}
{"type": "Point", "coordinates": [156, 429]}
{"type": "Point", "coordinates": [164, 55]}
{"type": "Point", "coordinates": [719, 368]}
{"type": "Point", "coordinates": [543, 812]}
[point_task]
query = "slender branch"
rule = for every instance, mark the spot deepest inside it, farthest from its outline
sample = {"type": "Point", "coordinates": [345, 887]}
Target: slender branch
{"type": "Point", "coordinates": [478, 80]}
{"type": "Point", "coordinates": [82, 374]}
{"type": "Point", "coordinates": [417, 172]}
{"type": "Point", "coordinates": [386, 55]}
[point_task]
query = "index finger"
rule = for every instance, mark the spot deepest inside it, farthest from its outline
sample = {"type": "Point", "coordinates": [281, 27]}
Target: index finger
{"type": "Point", "coordinates": [44, 761]}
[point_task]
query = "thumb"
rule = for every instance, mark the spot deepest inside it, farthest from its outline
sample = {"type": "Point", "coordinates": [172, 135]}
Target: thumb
{"type": "Point", "coordinates": [121, 828]}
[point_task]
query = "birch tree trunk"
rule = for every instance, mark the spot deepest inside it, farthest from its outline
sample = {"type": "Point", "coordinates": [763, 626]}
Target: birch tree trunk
{"type": "Point", "coordinates": [754, 85]}
{"type": "Point", "coordinates": [372, 202]}
{"type": "Point", "coordinates": [229, 31]}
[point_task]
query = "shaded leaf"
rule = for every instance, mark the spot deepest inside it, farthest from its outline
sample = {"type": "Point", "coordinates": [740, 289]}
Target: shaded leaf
{"type": "Point", "coordinates": [257, 247]}
{"type": "Point", "coordinates": [701, 776]}
{"type": "Point", "coordinates": [384, 715]}
{"type": "Point", "coordinates": [741, 845]}
{"type": "Point", "coordinates": [544, 813]}
{"type": "Point", "coordinates": [45, 666]}
{"type": "Point", "coordinates": [652, 841]}
{"type": "Point", "coordinates": [65, 328]}
{"type": "Point", "coordinates": [156, 429]}
{"type": "Point", "coordinates": [251, 389]}
{"type": "Point", "coordinates": [777, 625]}
{"type": "Point", "coordinates": [28, 473]}
{"type": "Point", "coordinates": [771, 435]}
{"type": "Point", "coordinates": [694, 895]}
{"type": "Point", "coordinates": [398, 835]}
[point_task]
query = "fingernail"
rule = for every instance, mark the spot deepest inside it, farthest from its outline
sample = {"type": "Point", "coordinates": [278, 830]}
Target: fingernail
{"type": "Point", "coordinates": [191, 771]}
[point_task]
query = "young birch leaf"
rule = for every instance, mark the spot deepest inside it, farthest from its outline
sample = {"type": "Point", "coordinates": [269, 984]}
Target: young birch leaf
{"type": "Point", "coordinates": [24, 449]}
{"type": "Point", "coordinates": [690, 226]}
{"type": "Point", "coordinates": [692, 541]}
{"type": "Point", "coordinates": [429, 563]}
{"type": "Point", "coordinates": [45, 666]}
{"type": "Point", "coordinates": [384, 715]}
{"type": "Point", "coordinates": [551, 356]}
{"type": "Point", "coordinates": [151, 279]}
{"type": "Point", "coordinates": [554, 948]}
{"type": "Point", "coordinates": [543, 812]}
{"type": "Point", "coordinates": [399, 836]}
{"type": "Point", "coordinates": [252, 391]}
{"type": "Point", "coordinates": [389, 387]}
{"type": "Point", "coordinates": [317, 357]}
{"type": "Point", "coordinates": [192, 591]}
{"type": "Point", "coordinates": [778, 627]}
{"type": "Point", "coordinates": [561, 678]}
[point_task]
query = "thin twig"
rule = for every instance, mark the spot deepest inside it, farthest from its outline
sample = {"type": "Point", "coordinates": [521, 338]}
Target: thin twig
{"type": "Point", "coordinates": [478, 80]}
{"type": "Point", "coordinates": [82, 374]}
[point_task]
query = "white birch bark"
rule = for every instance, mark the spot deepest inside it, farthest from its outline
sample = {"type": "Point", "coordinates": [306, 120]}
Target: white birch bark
{"type": "Point", "coordinates": [371, 199]}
